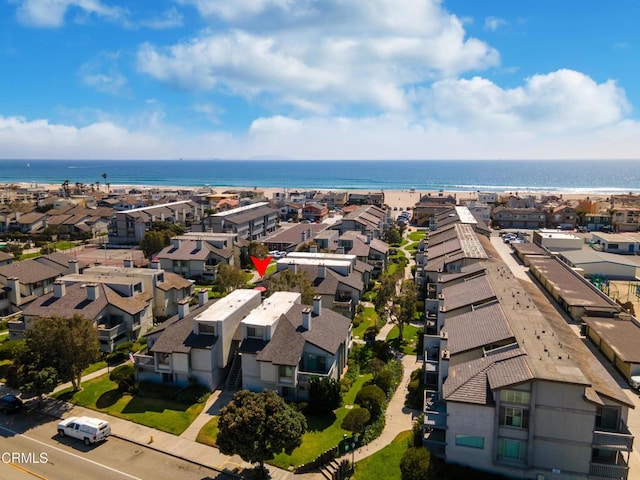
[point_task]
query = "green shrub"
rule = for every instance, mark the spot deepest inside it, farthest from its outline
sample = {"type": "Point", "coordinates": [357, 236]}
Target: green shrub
{"type": "Point", "coordinates": [373, 430]}
{"type": "Point", "coordinates": [116, 357]}
{"type": "Point", "coordinates": [10, 349]}
{"type": "Point", "coordinates": [356, 420]}
{"type": "Point", "coordinates": [414, 464]}
{"type": "Point", "coordinates": [373, 399]}
{"type": "Point", "coordinates": [357, 320]}
{"type": "Point", "coordinates": [345, 384]}
{"type": "Point", "coordinates": [124, 347]}
{"type": "Point", "coordinates": [324, 395]}
{"type": "Point", "coordinates": [385, 381]}
{"type": "Point", "coordinates": [124, 376]}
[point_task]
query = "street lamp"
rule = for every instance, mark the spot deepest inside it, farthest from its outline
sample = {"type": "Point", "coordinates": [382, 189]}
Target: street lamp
{"type": "Point", "coordinates": [354, 442]}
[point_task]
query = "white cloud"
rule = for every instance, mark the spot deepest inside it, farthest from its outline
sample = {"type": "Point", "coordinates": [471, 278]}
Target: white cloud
{"type": "Point", "coordinates": [558, 102]}
{"type": "Point", "coordinates": [309, 55]}
{"type": "Point", "coordinates": [103, 75]}
{"type": "Point", "coordinates": [51, 13]}
{"type": "Point", "coordinates": [170, 18]}
{"type": "Point", "coordinates": [494, 23]}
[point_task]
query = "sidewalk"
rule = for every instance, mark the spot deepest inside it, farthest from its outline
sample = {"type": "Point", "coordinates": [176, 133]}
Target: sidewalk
{"type": "Point", "coordinates": [398, 417]}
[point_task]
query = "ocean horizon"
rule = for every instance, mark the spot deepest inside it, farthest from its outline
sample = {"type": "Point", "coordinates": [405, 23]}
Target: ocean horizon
{"type": "Point", "coordinates": [568, 176]}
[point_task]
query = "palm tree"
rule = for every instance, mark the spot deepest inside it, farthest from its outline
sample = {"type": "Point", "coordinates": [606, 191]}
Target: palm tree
{"type": "Point", "coordinates": [65, 188]}
{"type": "Point", "coordinates": [104, 175]}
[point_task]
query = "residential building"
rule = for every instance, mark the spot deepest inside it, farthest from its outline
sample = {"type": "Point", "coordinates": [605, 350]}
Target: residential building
{"type": "Point", "coordinates": [250, 222]}
{"type": "Point", "coordinates": [367, 219]}
{"type": "Point", "coordinates": [513, 391]}
{"type": "Point", "coordinates": [167, 289]}
{"type": "Point", "coordinates": [288, 239]}
{"type": "Point", "coordinates": [198, 345]}
{"type": "Point", "coordinates": [366, 249]}
{"type": "Point", "coordinates": [315, 212]}
{"type": "Point", "coordinates": [197, 255]}
{"type": "Point", "coordinates": [625, 219]}
{"type": "Point", "coordinates": [129, 226]}
{"type": "Point", "coordinates": [557, 240]}
{"type": "Point", "coordinates": [505, 217]}
{"type": "Point", "coordinates": [621, 243]}
{"type": "Point", "coordinates": [339, 279]}
{"type": "Point", "coordinates": [285, 343]}
{"type": "Point", "coordinates": [563, 217]}
{"type": "Point", "coordinates": [369, 198]}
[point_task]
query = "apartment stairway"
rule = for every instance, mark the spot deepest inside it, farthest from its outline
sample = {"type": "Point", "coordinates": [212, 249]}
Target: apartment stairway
{"type": "Point", "coordinates": [234, 379]}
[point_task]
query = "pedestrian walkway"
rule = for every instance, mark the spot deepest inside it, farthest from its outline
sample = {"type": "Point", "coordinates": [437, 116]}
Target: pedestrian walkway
{"type": "Point", "coordinates": [398, 417]}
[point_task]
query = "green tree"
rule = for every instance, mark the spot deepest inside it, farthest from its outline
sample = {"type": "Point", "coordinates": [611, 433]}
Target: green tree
{"type": "Point", "coordinates": [356, 419]}
{"type": "Point", "coordinates": [373, 399]}
{"type": "Point", "coordinates": [386, 294]}
{"type": "Point", "coordinates": [229, 278]}
{"type": "Point", "coordinates": [258, 426]}
{"type": "Point", "coordinates": [392, 235]}
{"type": "Point", "coordinates": [414, 464]}
{"type": "Point", "coordinates": [171, 229]}
{"type": "Point", "coordinates": [152, 242]}
{"type": "Point", "coordinates": [406, 303]}
{"type": "Point", "coordinates": [258, 250]}
{"type": "Point", "coordinates": [68, 345]}
{"type": "Point", "coordinates": [324, 395]}
{"type": "Point", "coordinates": [31, 380]}
{"type": "Point", "coordinates": [287, 281]}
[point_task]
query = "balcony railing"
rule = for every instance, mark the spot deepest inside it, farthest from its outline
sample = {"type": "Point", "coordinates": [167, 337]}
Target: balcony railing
{"type": "Point", "coordinates": [618, 471]}
{"type": "Point", "coordinates": [144, 362]}
{"type": "Point", "coordinates": [613, 440]}
{"type": "Point", "coordinates": [108, 334]}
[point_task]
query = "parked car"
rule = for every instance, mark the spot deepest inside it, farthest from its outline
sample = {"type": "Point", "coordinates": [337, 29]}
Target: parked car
{"type": "Point", "coordinates": [10, 403]}
{"type": "Point", "coordinates": [89, 430]}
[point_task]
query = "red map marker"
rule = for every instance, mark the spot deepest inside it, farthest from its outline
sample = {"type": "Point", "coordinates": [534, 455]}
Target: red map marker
{"type": "Point", "coordinates": [261, 264]}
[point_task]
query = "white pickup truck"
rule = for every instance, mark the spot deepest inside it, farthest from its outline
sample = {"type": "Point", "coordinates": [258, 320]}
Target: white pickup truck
{"type": "Point", "coordinates": [89, 430]}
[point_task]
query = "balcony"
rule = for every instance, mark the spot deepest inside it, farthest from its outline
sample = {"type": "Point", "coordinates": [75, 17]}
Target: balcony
{"type": "Point", "coordinates": [211, 269]}
{"type": "Point", "coordinates": [618, 470]}
{"type": "Point", "coordinates": [108, 334]}
{"type": "Point", "coordinates": [144, 362]}
{"type": "Point", "coordinates": [435, 412]}
{"type": "Point", "coordinates": [622, 441]}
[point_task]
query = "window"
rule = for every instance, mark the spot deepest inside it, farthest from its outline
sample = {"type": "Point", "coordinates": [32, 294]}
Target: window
{"type": "Point", "coordinates": [607, 418]}
{"type": "Point", "coordinates": [254, 332]}
{"type": "Point", "coordinates": [515, 396]}
{"type": "Point", "coordinates": [514, 417]}
{"type": "Point", "coordinates": [206, 329]}
{"type": "Point", "coordinates": [509, 449]}
{"type": "Point", "coordinates": [469, 441]}
{"type": "Point", "coordinates": [285, 371]}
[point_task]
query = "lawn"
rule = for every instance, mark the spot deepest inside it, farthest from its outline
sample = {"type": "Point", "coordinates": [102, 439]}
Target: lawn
{"type": "Point", "coordinates": [409, 336]}
{"type": "Point", "coordinates": [417, 236]}
{"type": "Point", "coordinates": [103, 395]}
{"type": "Point", "coordinates": [272, 268]}
{"type": "Point", "coordinates": [384, 463]}
{"type": "Point", "coordinates": [209, 433]}
{"type": "Point", "coordinates": [322, 432]}
{"type": "Point", "coordinates": [94, 367]}
{"type": "Point", "coordinates": [369, 319]}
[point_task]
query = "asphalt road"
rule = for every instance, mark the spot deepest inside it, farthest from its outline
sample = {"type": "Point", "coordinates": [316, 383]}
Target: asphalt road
{"type": "Point", "coordinates": [31, 449]}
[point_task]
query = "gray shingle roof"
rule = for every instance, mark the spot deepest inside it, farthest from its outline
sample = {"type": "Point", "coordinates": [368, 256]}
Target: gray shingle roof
{"type": "Point", "coordinates": [176, 334]}
{"type": "Point", "coordinates": [483, 326]}
{"type": "Point", "coordinates": [471, 292]}
{"type": "Point", "coordinates": [29, 271]}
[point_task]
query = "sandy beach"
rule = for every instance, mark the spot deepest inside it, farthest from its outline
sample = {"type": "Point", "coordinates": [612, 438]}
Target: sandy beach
{"type": "Point", "coordinates": [395, 199]}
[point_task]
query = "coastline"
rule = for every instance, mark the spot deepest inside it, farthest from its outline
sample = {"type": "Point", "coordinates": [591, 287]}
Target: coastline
{"type": "Point", "coordinates": [395, 199]}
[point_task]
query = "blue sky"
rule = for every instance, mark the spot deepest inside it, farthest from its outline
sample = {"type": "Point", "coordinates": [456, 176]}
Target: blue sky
{"type": "Point", "coordinates": [311, 79]}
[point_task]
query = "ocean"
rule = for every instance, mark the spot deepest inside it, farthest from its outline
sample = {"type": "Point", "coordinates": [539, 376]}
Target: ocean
{"type": "Point", "coordinates": [569, 176]}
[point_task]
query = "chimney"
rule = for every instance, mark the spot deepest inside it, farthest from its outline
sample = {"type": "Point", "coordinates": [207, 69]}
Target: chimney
{"type": "Point", "coordinates": [317, 305]}
{"type": "Point", "coordinates": [309, 233]}
{"type": "Point", "coordinates": [183, 308]}
{"type": "Point", "coordinates": [175, 242]}
{"type": "Point", "coordinates": [203, 296]}
{"type": "Point", "coordinates": [313, 249]}
{"type": "Point", "coordinates": [322, 271]}
{"type": "Point", "coordinates": [369, 237]}
{"type": "Point", "coordinates": [155, 264]}
{"type": "Point", "coordinates": [59, 289]}
{"type": "Point", "coordinates": [92, 291]}
{"type": "Point", "coordinates": [199, 244]}
{"type": "Point", "coordinates": [128, 263]}
{"type": "Point", "coordinates": [303, 236]}
{"type": "Point", "coordinates": [73, 266]}
{"type": "Point", "coordinates": [14, 295]}
{"type": "Point", "coordinates": [294, 268]}
{"type": "Point", "coordinates": [306, 318]}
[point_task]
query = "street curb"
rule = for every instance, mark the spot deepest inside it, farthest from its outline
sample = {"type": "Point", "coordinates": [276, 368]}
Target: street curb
{"type": "Point", "coordinates": [146, 445]}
